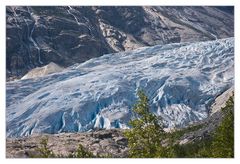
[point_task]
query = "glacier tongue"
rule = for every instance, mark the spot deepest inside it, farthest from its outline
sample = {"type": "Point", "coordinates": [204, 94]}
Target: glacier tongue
{"type": "Point", "coordinates": [181, 80]}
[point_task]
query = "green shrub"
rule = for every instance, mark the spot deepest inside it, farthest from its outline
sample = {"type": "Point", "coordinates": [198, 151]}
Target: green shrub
{"type": "Point", "coordinates": [81, 153]}
{"type": "Point", "coordinates": [43, 151]}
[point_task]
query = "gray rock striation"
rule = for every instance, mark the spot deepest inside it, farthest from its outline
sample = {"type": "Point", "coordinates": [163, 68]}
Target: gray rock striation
{"type": "Point", "coordinates": [65, 35]}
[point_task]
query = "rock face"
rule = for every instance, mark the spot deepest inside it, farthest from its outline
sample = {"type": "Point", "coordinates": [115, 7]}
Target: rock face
{"type": "Point", "coordinates": [220, 101]}
{"type": "Point", "coordinates": [207, 126]}
{"type": "Point", "coordinates": [181, 81]}
{"type": "Point", "coordinates": [103, 143]}
{"type": "Point", "coordinates": [72, 34]}
{"type": "Point", "coordinates": [42, 71]}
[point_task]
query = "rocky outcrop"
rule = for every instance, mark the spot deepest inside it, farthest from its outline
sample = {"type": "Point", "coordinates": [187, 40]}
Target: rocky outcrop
{"type": "Point", "coordinates": [66, 35]}
{"type": "Point", "coordinates": [110, 143]}
{"type": "Point", "coordinates": [42, 71]}
{"type": "Point", "coordinates": [220, 101]}
{"type": "Point", "coordinates": [207, 126]}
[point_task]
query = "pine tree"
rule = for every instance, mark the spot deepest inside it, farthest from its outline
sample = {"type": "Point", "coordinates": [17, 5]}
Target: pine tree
{"type": "Point", "coordinates": [223, 140]}
{"type": "Point", "coordinates": [144, 139]}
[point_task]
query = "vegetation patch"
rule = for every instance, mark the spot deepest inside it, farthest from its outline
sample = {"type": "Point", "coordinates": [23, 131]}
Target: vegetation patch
{"type": "Point", "coordinates": [146, 138]}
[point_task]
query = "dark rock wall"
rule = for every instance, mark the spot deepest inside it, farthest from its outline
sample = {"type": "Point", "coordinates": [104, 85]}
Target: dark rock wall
{"type": "Point", "coordinates": [67, 35]}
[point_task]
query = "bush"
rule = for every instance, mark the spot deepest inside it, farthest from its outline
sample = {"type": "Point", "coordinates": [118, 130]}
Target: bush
{"type": "Point", "coordinates": [44, 152]}
{"type": "Point", "coordinates": [81, 153]}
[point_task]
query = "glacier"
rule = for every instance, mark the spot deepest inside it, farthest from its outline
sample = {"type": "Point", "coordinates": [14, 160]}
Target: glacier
{"type": "Point", "coordinates": [180, 79]}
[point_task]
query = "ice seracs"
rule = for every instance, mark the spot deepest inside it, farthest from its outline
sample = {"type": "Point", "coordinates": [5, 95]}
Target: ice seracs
{"type": "Point", "coordinates": [181, 81]}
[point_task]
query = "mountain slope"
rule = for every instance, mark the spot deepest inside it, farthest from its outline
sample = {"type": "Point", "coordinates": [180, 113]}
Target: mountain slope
{"type": "Point", "coordinates": [181, 81]}
{"type": "Point", "coordinates": [65, 35]}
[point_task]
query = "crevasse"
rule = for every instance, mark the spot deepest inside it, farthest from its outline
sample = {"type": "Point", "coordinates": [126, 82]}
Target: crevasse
{"type": "Point", "coordinates": [181, 81]}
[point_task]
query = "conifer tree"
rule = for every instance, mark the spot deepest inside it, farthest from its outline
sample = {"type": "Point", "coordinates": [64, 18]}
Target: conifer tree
{"type": "Point", "coordinates": [144, 139]}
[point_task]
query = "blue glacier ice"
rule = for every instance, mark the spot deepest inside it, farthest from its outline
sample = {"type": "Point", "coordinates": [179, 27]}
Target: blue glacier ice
{"type": "Point", "coordinates": [181, 81]}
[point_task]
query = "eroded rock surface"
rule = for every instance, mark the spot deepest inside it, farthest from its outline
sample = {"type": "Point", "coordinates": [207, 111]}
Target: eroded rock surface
{"type": "Point", "coordinates": [110, 143]}
{"type": "Point", "coordinates": [43, 71]}
{"type": "Point", "coordinates": [207, 126]}
{"type": "Point", "coordinates": [67, 35]}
